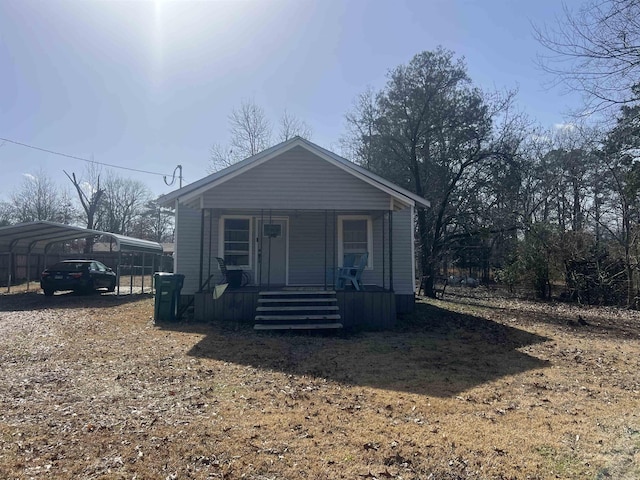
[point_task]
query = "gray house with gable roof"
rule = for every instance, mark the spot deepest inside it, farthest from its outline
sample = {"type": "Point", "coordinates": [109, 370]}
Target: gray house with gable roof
{"type": "Point", "coordinates": [289, 218]}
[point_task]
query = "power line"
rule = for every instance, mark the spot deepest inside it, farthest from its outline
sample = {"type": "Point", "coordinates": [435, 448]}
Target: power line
{"type": "Point", "coordinates": [83, 159]}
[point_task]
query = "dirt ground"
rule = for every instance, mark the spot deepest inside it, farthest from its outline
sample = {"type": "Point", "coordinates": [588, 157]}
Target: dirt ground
{"type": "Point", "coordinates": [469, 387]}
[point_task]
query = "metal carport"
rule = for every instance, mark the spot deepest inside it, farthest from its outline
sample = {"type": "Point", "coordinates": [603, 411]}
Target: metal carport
{"type": "Point", "coordinates": [38, 237]}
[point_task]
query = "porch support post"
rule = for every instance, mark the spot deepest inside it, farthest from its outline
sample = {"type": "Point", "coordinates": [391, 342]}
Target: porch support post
{"type": "Point", "coordinates": [384, 264]}
{"type": "Point", "coordinates": [260, 240]}
{"type": "Point", "coordinates": [391, 250]}
{"type": "Point", "coordinates": [333, 254]}
{"type": "Point", "coordinates": [325, 251]}
{"type": "Point", "coordinates": [210, 245]}
{"type": "Point", "coordinates": [269, 256]}
{"type": "Point", "coordinates": [143, 265]}
{"type": "Point", "coordinates": [201, 247]}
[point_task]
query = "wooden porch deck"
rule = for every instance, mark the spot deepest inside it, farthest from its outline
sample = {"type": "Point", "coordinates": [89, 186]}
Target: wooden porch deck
{"type": "Point", "coordinates": [373, 308]}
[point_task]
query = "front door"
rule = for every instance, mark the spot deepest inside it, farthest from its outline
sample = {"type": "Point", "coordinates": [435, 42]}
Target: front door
{"type": "Point", "coordinates": [272, 262]}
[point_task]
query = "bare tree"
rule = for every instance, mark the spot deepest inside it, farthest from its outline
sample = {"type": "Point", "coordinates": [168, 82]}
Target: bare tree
{"type": "Point", "coordinates": [38, 198]}
{"type": "Point", "coordinates": [250, 132]}
{"type": "Point", "coordinates": [250, 129]}
{"type": "Point", "coordinates": [154, 223]}
{"type": "Point", "coordinates": [291, 126]}
{"type": "Point", "coordinates": [220, 157]}
{"type": "Point", "coordinates": [6, 214]}
{"type": "Point", "coordinates": [358, 143]}
{"type": "Point", "coordinates": [90, 195]}
{"type": "Point", "coordinates": [124, 200]}
{"type": "Point", "coordinates": [596, 50]}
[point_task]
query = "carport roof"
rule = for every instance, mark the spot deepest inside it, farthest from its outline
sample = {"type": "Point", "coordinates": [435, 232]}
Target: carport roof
{"type": "Point", "coordinates": [35, 237]}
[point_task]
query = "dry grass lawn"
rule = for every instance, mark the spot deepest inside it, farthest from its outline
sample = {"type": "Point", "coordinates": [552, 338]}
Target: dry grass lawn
{"type": "Point", "coordinates": [470, 387]}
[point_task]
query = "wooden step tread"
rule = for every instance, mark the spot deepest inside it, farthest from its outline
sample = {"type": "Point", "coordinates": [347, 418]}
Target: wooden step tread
{"type": "Point", "coordinates": [297, 308]}
{"type": "Point", "coordinates": [296, 300]}
{"type": "Point", "coordinates": [301, 326]}
{"type": "Point", "coordinates": [273, 318]}
{"type": "Point", "coordinates": [296, 292]}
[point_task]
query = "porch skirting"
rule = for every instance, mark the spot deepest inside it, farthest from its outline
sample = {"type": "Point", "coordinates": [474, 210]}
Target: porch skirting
{"type": "Point", "coordinates": [359, 310]}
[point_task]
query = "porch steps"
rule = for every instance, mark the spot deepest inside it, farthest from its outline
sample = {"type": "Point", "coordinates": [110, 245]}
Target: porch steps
{"type": "Point", "coordinates": [297, 310]}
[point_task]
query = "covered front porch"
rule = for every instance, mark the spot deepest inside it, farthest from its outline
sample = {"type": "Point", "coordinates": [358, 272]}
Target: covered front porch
{"type": "Point", "coordinates": [289, 255]}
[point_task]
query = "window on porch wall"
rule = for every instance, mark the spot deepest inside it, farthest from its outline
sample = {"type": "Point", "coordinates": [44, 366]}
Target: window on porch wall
{"type": "Point", "coordinates": [355, 239]}
{"type": "Point", "coordinates": [237, 241]}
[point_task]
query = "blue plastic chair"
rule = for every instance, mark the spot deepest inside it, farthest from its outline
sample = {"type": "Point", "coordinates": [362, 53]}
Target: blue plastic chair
{"type": "Point", "coordinates": [353, 273]}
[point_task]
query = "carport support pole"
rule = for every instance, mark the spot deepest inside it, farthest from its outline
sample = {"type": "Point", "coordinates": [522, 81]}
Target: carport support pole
{"type": "Point", "coordinates": [9, 273]}
{"type": "Point", "coordinates": [131, 275]}
{"type": "Point", "coordinates": [28, 269]}
{"type": "Point", "coordinates": [118, 270]}
{"type": "Point", "coordinates": [143, 262]}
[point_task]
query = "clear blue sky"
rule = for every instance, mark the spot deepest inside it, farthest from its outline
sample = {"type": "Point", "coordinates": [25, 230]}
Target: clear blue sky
{"type": "Point", "coordinates": [150, 85]}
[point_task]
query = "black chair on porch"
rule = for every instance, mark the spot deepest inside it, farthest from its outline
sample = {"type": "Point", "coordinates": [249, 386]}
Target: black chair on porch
{"type": "Point", "coordinates": [235, 278]}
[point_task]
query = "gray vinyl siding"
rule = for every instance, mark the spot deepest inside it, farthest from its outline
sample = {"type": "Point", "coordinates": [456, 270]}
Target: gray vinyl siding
{"type": "Point", "coordinates": [302, 187]}
{"type": "Point", "coordinates": [187, 247]}
{"type": "Point", "coordinates": [403, 281]}
{"type": "Point", "coordinates": [297, 179]}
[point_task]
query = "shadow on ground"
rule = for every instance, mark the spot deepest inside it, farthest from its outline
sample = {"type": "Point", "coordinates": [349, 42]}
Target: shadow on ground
{"type": "Point", "coordinates": [613, 322]}
{"type": "Point", "coordinates": [36, 300]}
{"type": "Point", "coordinates": [433, 352]}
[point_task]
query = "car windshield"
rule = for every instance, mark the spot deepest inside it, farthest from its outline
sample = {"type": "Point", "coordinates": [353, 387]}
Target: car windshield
{"type": "Point", "coordinates": [69, 266]}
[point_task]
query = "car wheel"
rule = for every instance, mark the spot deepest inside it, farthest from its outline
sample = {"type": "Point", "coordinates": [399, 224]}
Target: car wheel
{"type": "Point", "coordinates": [112, 287]}
{"type": "Point", "coordinates": [48, 292]}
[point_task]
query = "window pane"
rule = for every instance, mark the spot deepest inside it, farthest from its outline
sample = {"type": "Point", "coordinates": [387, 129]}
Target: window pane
{"type": "Point", "coordinates": [236, 241]}
{"type": "Point", "coordinates": [236, 235]}
{"type": "Point", "coordinates": [355, 236]}
{"type": "Point", "coordinates": [236, 259]}
{"type": "Point", "coordinates": [236, 224]}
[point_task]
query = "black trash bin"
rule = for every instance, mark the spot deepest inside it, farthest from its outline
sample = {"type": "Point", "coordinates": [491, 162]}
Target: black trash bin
{"type": "Point", "coordinates": [167, 299]}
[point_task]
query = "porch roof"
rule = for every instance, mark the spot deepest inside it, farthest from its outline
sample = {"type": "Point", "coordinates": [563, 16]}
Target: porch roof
{"type": "Point", "coordinates": [191, 192]}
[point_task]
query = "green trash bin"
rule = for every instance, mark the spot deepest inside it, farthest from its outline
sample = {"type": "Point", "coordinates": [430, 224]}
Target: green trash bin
{"type": "Point", "coordinates": [167, 299]}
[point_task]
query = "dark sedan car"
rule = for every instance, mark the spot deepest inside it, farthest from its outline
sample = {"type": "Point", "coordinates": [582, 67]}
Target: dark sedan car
{"type": "Point", "coordinates": [78, 275]}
